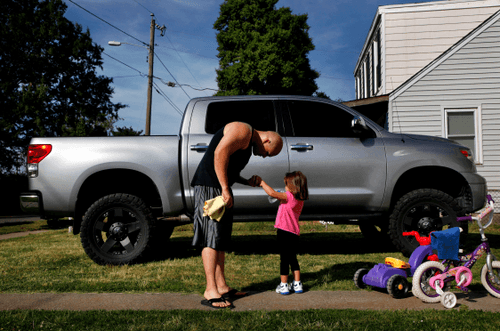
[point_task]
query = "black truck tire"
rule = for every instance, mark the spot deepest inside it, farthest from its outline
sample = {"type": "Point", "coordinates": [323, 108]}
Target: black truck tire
{"type": "Point", "coordinates": [423, 210]}
{"type": "Point", "coordinates": [116, 229]}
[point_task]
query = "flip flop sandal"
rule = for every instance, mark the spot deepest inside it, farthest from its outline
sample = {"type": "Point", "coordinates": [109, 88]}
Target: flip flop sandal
{"type": "Point", "coordinates": [234, 294]}
{"type": "Point", "coordinates": [210, 303]}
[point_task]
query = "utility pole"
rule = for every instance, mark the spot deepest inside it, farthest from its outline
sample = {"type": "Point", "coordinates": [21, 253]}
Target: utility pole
{"type": "Point", "coordinates": [150, 74]}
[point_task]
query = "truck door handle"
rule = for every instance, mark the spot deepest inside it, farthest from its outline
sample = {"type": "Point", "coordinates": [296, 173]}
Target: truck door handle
{"type": "Point", "coordinates": [199, 147]}
{"type": "Point", "coordinates": [302, 147]}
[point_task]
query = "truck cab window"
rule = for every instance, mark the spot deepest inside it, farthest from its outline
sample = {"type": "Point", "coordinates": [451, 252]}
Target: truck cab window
{"type": "Point", "coordinates": [317, 119]}
{"type": "Point", "coordinates": [259, 114]}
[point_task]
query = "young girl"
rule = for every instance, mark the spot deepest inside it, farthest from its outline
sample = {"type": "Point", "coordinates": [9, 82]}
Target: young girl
{"type": "Point", "coordinates": [287, 223]}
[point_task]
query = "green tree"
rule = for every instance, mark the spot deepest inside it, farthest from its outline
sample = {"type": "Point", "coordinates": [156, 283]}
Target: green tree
{"type": "Point", "coordinates": [263, 50]}
{"type": "Point", "coordinates": [49, 86]}
{"type": "Point", "coordinates": [321, 95]}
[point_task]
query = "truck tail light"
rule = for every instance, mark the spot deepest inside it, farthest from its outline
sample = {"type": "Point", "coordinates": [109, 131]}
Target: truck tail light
{"type": "Point", "coordinates": [37, 153]}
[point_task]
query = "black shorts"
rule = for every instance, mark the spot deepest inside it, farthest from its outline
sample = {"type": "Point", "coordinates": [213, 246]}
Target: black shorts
{"type": "Point", "coordinates": [207, 232]}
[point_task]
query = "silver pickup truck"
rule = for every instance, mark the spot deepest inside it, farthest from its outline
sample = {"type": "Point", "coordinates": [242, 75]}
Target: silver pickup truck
{"type": "Point", "coordinates": [118, 189]}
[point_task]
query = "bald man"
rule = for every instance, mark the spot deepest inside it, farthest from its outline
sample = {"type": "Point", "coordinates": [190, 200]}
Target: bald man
{"type": "Point", "coordinates": [227, 155]}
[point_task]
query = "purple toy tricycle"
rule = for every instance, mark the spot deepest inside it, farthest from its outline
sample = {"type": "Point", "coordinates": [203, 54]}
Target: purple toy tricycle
{"type": "Point", "coordinates": [393, 273]}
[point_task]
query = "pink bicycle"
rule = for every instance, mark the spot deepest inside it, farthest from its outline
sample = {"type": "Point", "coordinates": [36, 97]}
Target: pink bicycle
{"type": "Point", "coordinates": [432, 280]}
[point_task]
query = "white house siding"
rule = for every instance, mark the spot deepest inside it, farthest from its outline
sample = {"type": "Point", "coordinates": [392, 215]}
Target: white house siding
{"type": "Point", "coordinates": [415, 38]}
{"type": "Point", "coordinates": [468, 78]}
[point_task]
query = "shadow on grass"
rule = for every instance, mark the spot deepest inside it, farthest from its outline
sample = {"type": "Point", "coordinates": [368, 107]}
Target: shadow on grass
{"type": "Point", "coordinates": [14, 224]}
{"type": "Point", "coordinates": [310, 243]}
{"type": "Point", "coordinates": [334, 273]}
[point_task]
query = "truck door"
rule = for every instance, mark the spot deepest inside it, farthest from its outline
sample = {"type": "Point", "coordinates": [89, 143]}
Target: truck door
{"type": "Point", "coordinates": [345, 173]}
{"type": "Point", "coordinates": [213, 115]}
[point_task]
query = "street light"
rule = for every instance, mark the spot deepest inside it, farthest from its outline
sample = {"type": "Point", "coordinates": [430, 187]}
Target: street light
{"type": "Point", "coordinates": [151, 47]}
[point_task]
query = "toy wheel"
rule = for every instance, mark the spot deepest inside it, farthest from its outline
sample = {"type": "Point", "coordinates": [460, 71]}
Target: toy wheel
{"type": "Point", "coordinates": [397, 286]}
{"type": "Point", "coordinates": [421, 287]}
{"type": "Point", "coordinates": [489, 282]}
{"type": "Point", "coordinates": [358, 278]}
{"type": "Point", "coordinates": [449, 300]}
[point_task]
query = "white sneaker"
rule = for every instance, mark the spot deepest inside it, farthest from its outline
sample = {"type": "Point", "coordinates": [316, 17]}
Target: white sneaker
{"type": "Point", "coordinates": [283, 289]}
{"type": "Point", "coordinates": [297, 287]}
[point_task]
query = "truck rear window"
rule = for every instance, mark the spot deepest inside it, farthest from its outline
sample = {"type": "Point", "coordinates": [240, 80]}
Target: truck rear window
{"type": "Point", "coordinates": [259, 114]}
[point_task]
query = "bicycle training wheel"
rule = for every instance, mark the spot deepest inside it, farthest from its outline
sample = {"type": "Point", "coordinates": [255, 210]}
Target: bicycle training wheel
{"type": "Point", "coordinates": [449, 300]}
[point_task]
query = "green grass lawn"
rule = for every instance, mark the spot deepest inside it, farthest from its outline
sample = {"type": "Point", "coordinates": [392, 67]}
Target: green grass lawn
{"type": "Point", "coordinates": [329, 256]}
{"type": "Point", "coordinates": [55, 262]}
{"type": "Point", "coordinates": [319, 319]}
{"type": "Point", "coordinates": [23, 227]}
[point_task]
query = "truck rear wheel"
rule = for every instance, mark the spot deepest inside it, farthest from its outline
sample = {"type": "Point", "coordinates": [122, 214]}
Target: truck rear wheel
{"type": "Point", "coordinates": [116, 229]}
{"type": "Point", "coordinates": [423, 210]}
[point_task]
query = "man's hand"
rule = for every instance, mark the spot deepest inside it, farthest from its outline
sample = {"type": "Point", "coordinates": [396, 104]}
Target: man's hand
{"type": "Point", "coordinates": [254, 181]}
{"type": "Point", "coordinates": [227, 197]}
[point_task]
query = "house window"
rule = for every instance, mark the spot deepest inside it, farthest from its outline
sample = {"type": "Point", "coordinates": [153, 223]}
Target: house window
{"type": "Point", "coordinates": [358, 85]}
{"type": "Point", "coordinates": [365, 80]}
{"type": "Point", "coordinates": [461, 126]}
{"type": "Point", "coordinates": [378, 56]}
{"type": "Point", "coordinates": [368, 76]}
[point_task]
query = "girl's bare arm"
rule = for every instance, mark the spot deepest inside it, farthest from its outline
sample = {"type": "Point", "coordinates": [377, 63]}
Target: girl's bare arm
{"type": "Point", "coordinates": [271, 192]}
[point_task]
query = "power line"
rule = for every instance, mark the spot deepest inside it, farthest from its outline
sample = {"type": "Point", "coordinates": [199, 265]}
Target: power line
{"type": "Point", "coordinates": [108, 23]}
{"type": "Point", "coordinates": [156, 86]}
{"type": "Point", "coordinates": [183, 61]}
{"type": "Point", "coordinates": [129, 76]}
{"type": "Point", "coordinates": [159, 78]}
{"type": "Point", "coordinates": [140, 4]}
{"type": "Point", "coordinates": [171, 74]}
{"type": "Point", "coordinates": [194, 88]}
{"type": "Point", "coordinates": [142, 75]}
{"type": "Point", "coordinates": [160, 92]}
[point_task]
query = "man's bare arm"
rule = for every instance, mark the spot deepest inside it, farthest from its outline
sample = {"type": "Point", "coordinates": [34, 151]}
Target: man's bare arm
{"type": "Point", "coordinates": [237, 136]}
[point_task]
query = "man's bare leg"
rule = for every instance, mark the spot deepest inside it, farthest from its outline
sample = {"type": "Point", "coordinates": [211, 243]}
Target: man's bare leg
{"type": "Point", "coordinates": [220, 278]}
{"type": "Point", "coordinates": [213, 270]}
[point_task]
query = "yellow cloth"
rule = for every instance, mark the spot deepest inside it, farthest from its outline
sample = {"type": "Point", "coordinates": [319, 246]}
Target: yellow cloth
{"type": "Point", "coordinates": [214, 208]}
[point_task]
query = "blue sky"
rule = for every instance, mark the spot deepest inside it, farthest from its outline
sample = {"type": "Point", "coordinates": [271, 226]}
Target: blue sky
{"type": "Point", "coordinates": [188, 49]}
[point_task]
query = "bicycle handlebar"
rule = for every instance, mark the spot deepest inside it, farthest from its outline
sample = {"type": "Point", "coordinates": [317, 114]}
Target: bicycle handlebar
{"type": "Point", "coordinates": [486, 210]}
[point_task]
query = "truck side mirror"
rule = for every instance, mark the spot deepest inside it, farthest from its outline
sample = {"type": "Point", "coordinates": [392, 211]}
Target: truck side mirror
{"type": "Point", "coordinates": [359, 126]}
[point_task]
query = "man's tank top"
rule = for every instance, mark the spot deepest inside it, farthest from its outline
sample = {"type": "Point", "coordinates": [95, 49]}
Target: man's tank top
{"type": "Point", "coordinates": [205, 173]}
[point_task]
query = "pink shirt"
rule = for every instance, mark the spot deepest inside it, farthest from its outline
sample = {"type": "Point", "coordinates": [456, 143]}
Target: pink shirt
{"type": "Point", "coordinates": [287, 218]}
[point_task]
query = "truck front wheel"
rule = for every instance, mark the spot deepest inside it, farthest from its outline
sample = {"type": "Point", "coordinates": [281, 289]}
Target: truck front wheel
{"type": "Point", "coordinates": [423, 210]}
{"type": "Point", "coordinates": [116, 229]}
